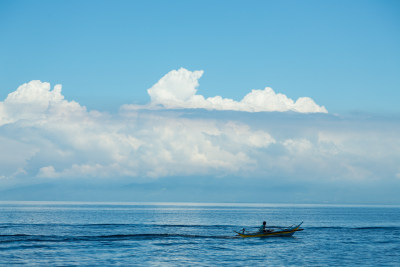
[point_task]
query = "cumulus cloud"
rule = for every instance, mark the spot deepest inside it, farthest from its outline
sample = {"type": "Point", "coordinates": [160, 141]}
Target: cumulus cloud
{"type": "Point", "coordinates": [68, 141]}
{"type": "Point", "coordinates": [178, 88]}
{"type": "Point", "coordinates": [35, 100]}
{"type": "Point", "coordinates": [42, 135]}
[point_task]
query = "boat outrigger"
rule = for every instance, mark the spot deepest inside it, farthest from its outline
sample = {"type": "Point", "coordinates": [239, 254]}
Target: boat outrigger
{"type": "Point", "coordinates": [288, 231]}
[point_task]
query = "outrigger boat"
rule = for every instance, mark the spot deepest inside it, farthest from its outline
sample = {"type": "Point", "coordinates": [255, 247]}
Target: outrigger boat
{"type": "Point", "coordinates": [288, 231]}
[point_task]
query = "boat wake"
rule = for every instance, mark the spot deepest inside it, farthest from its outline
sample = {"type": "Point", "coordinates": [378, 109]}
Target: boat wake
{"type": "Point", "coordinates": [121, 237]}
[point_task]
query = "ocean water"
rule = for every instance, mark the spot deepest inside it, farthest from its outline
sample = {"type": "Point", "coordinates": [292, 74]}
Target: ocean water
{"type": "Point", "coordinates": [178, 234]}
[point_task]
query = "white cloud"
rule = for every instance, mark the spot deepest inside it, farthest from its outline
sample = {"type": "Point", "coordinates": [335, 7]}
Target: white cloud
{"type": "Point", "coordinates": [14, 154]}
{"type": "Point", "coordinates": [35, 100]}
{"type": "Point", "coordinates": [47, 172]}
{"type": "Point", "coordinates": [177, 89]}
{"type": "Point", "coordinates": [298, 146]}
{"type": "Point", "coordinates": [69, 141]}
{"type": "Point", "coordinates": [43, 135]}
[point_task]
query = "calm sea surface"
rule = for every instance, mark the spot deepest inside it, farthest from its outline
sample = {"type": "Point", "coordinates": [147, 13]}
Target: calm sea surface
{"type": "Point", "coordinates": [180, 234]}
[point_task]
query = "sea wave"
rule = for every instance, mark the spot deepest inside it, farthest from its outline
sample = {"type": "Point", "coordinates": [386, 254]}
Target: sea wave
{"type": "Point", "coordinates": [117, 237]}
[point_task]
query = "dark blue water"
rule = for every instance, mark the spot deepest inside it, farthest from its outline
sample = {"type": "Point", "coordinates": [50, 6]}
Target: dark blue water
{"type": "Point", "coordinates": [196, 234]}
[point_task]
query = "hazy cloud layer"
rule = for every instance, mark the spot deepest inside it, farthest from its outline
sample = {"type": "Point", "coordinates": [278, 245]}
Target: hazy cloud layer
{"type": "Point", "coordinates": [178, 88]}
{"type": "Point", "coordinates": [44, 136]}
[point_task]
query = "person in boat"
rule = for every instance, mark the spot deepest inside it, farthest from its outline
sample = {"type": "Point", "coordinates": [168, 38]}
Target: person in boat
{"type": "Point", "coordinates": [262, 228]}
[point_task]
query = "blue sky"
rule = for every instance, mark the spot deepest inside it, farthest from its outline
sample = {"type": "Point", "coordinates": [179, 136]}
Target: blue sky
{"type": "Point", "coordinates": [343, 54]}
{"type": "Point", "coordinates": [154, 100]}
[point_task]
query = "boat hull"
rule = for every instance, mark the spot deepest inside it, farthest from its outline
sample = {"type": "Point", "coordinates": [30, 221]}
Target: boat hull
{"type": "Point", "coordinates": [285, 232]}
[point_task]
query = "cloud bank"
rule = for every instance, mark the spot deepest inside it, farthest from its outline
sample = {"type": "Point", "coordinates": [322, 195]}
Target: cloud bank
{"type": "Point", "coordinates": [44, 136]}
{"type": "Point", "coordinates": [178, 88]}
{"type": "Point", "coordinates": [51, 137]}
